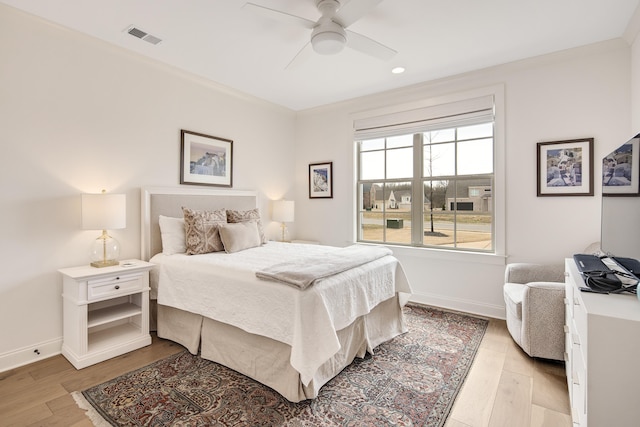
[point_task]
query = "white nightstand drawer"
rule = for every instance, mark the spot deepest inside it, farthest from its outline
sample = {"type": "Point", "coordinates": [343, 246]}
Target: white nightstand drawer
{"type": "Point", "coordinates": [114, 286]}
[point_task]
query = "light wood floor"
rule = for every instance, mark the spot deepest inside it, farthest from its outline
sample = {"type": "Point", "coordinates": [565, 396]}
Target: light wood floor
{"type": "Point", "coordinates": [503, 388]}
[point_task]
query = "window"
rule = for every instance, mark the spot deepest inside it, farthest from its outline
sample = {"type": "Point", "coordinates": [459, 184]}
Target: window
{"type": "Point", "coordinates": [428, 182]}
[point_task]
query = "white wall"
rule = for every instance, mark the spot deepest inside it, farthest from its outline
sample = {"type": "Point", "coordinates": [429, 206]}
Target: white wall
{"type": "Point", "coordinates": [78, 115]}
{"type": "Point", "coordinates": [579, 93]}
{"type": "Point", "coordinates": [635, 81]}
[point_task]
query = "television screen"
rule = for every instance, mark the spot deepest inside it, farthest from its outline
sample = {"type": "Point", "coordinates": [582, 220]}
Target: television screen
{"type": "Point", "coordinates": [620, 228]}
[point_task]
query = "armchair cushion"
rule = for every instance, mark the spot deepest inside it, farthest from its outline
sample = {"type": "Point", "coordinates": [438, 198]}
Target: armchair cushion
{"type": "Point", "coordinates": [513, 296]}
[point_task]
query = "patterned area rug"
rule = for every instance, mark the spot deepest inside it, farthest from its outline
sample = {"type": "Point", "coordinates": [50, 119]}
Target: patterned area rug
{"type": "Point", "coordinates": [411, 380]}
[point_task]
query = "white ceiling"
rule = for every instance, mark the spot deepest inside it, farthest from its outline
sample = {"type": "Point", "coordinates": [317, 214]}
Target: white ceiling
{"type": "Point", "coordinates": [221, 41]}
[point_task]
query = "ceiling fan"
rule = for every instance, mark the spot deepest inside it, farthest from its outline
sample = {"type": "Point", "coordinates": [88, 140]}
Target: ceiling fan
{"type": "Point", "coordinates": [329, 33]}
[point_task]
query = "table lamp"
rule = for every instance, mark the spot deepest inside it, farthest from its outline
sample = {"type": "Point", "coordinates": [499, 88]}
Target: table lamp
{"type": "Point", "coordinates": [283, 212]}
{"type": "Point", "coordinates": [104, 212]}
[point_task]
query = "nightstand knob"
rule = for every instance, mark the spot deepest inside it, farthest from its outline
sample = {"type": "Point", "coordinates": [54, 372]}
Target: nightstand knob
{"type": "Point", "coordinates": [117, 286]}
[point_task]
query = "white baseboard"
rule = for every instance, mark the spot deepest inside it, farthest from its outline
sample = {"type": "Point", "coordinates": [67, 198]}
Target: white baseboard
{"type": "Point", "coordinates": [459, 304]}
{"type": "Point", "coordinates": [30, 354]}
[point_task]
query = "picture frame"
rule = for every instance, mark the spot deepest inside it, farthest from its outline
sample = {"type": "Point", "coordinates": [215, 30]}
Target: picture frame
{"type": "Point", "coordinates": [321, 180]}
{"type": "Point", "coordinates": [565, 168]}
{"type": "Point", "coordinates": [205, 159]}
{"type": "Point", "coordinates": [621, 170]}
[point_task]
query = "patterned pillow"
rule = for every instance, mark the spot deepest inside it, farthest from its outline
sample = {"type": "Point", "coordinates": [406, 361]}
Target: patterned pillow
{"type": "Point", "coordinates": [244, 216]}
{"type": "Point", "coordinates": [201, 230]}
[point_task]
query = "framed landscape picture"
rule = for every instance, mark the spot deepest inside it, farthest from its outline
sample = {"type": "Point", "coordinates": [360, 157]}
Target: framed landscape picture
{"type": "Point", "coordinates": [205, 160]}
{"type": "Point", "coordinates": [565, 168]}
{"type": "Point", "coordinates": [621, 170]}
{"type": "Point", "coordinates": [321, 180]}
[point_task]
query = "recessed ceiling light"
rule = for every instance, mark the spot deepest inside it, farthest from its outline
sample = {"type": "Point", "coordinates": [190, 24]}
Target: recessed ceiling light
{"type": "Point", "coordinates": [398, 70]}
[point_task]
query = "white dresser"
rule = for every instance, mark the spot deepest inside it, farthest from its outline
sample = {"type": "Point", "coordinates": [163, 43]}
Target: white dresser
{"type": "Point", "coordinates": [602, 355]}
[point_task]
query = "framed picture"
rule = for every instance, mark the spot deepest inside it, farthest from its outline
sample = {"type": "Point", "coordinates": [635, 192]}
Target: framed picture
{"type": "Point", "coordinates": [621, 170]}
{"type": "Point", "coordinates": [205, 160]}
{"type": "Point", "coordinates": [321, 180]}
{"type": "Point", "coordinates": [565, 168]}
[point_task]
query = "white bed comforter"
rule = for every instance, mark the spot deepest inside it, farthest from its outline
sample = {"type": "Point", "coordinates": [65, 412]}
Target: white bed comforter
{"type": "Point", "coordinates": [224, 287]}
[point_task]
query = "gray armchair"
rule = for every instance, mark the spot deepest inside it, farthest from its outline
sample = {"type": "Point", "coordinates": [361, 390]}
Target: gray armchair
{"type": "Point", "coordinates": [534, 298]}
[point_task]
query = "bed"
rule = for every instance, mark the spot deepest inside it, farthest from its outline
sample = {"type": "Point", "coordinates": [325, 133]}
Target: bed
{"type": "Point", "coordinates": [289, 337]}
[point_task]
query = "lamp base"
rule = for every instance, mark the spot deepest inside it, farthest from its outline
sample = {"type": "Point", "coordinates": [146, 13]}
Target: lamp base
{"type": "Point", "coordinates": [285, 233]}
{"type": "Point", "coordinates": [105, 251]}
{"type": "Point", "coordinates": [105, 263]}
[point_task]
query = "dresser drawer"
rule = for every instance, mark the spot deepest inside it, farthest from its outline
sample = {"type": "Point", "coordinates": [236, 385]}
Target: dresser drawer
{"type": "Point", "coordinates": [569, 289]}
{"type": "Point", "coordinates": [579, 388]}
{"type": "Point", "coordinates": [579, 326]}
{"type": "Point", "coordinates": [568, 348]}
{"type": "Point", "coordinates": [106, 288]}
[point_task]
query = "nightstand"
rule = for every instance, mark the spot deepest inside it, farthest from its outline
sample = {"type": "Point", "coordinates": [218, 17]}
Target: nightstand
{"type": "Point", "coordinates": [105, 311]}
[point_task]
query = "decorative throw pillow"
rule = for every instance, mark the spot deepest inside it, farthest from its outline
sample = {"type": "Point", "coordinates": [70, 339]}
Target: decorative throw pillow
{"type": "Point", "coordinates": [172, 235]}
{"type": "Point", "coordinates": [201, 230]}
{"type": "Point", "coordinates": [239, 236]}
{"type": "Point", "coordinates": [244, 216]}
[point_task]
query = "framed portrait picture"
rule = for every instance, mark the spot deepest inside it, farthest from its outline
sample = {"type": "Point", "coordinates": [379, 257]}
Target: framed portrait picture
{"type": "Point", "coordinates": [321, 180]}
{"type": "Point", "coordinates": [565, 168]}
{"type": "Point", "coordinates": [205, 160]}
{"type": "Point", "coordinates": [620, 170]}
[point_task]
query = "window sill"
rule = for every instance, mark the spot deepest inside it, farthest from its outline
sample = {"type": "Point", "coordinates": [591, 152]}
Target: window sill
{"type": "Point", "coordinates": [443, 254]}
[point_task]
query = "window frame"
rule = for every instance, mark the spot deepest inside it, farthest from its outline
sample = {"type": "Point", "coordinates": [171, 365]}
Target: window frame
{"type": "Point", "coordinates": [417, 181]}
{"type": "Point", "coordinates": [498, 254]}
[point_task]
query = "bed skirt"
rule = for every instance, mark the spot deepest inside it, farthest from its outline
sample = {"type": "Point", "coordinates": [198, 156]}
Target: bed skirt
{"type": "Point", "coordinates": [266, 360]}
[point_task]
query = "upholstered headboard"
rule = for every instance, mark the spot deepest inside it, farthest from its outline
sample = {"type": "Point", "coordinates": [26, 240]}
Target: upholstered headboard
{"type": "Point", "coordinates": [169, 202]}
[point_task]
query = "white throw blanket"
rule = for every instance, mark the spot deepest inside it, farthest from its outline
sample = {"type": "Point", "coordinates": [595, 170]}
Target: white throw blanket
{"type": "Point", "coordinates": [303, 272]}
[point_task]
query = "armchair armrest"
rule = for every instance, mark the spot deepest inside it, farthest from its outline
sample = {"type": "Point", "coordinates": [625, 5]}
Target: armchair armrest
{"type": "Point", "coordinates": [543, 317]}
{"type": "Point", "coordinates": [528, 272]}
{"type": "Point", "coordinates": [547, 286]}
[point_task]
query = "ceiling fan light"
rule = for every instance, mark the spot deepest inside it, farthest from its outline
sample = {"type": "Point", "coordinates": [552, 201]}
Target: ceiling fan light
{"type": "Point", "coordinates": [328, 43]}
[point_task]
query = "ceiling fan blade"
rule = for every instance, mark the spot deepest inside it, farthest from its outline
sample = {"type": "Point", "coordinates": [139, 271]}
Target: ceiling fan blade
{"type": "Point", "coordinates": [280, 16]}
{"type": "Point", "coordinates": [354, 10]}
{"type": "Point", "coordinates": [370, 47]}
{"type": "Point", "coordinates": [301, 57]}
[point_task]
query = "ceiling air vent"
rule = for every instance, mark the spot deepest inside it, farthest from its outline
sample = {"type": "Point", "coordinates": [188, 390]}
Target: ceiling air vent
{"type": "Point", "coordinates": [137, 32]}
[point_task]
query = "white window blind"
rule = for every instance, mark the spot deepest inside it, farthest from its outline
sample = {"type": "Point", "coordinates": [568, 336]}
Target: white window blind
{"type": "Point", "coordinates": [453, 114]}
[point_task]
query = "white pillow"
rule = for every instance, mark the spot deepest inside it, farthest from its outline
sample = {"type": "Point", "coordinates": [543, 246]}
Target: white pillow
{"type": "Point", "coordinates": [172, 234]}
{"type": "Point", "coordinates": [239, 236]}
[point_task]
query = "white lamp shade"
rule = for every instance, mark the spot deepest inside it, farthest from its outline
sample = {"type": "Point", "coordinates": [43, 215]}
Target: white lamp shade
{"type": "Point", "coordinates": [283, 210]}
{"type": "Point", "coordinates": [104, 211]}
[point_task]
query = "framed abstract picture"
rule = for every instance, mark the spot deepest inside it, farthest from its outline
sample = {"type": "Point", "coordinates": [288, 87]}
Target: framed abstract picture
{"type": "Point", "coordinates": [205, 160]}
{"type": "Point", "coordinates": [321, 180]}
{"type": "Point", "coordinates": [565, 168]}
